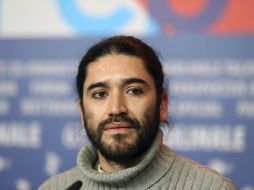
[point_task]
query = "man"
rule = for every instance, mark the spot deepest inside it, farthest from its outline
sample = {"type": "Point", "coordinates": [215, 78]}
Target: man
{"type": "Point", "coordinates": [122, 102]}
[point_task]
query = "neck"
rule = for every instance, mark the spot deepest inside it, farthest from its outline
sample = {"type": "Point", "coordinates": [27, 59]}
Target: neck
{"type": "Point", "coordinates": [112, 166]}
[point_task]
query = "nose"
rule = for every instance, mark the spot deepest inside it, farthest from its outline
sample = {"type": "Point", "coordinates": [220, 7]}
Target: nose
{"type": "Point", "coordinates": [117, 104]}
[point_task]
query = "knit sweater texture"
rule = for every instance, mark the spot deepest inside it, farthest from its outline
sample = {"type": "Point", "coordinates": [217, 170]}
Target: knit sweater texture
{"type": "Point", "coordinates": [160, 168]}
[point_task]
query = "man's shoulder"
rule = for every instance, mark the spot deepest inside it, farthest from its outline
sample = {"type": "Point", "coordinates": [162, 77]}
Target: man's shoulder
{"type": "Point", "coordinates": [61, 180]}
{"type": "Point", "coordinates": [201, 175]}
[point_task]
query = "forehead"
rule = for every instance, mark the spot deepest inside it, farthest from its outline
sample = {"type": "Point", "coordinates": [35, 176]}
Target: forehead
{"type": "Point", "coordinates": [115, 67]}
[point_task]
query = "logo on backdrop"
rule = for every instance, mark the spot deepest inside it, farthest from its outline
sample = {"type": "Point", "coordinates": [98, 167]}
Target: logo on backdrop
{"type": "Point", "coordinates": [195, 16]}
{"type": "Point", "coordinates": [110, 17]}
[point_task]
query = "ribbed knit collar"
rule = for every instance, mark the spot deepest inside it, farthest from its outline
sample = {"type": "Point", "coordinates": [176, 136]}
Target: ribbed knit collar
{"type": "Point", "coordinates": [154, 165]}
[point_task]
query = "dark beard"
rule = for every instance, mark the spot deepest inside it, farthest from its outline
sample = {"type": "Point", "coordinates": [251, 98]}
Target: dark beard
{"type": "Point", "coordinates": [121, 151]}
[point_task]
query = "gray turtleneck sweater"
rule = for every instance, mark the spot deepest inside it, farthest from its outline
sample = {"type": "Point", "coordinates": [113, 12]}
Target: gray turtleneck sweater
{"type": "Point", "coordinates": [160, 168]}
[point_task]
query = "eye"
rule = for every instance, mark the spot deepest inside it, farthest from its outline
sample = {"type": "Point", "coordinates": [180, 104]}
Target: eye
{"type": "Point", "coordinates": [135, 91]}
{"type": "Point", "coordinates": [99, 94]}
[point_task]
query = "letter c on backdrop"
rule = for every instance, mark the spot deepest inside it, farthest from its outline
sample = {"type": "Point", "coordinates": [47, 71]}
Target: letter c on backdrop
{"type": "Point", "coordinates": [83, 23]}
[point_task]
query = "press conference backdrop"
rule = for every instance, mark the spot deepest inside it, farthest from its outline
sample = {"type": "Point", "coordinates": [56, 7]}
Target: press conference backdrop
{"type": "Point", "coordinates": [207, 50]}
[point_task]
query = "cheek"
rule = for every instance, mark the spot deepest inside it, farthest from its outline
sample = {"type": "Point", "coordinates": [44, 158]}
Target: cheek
{"type": "Point", "coordinates": [93, 117]}
{"type": "Point", "coordinates": [89, 117]}
{"type": "Point", "coordinates": [141, 108]}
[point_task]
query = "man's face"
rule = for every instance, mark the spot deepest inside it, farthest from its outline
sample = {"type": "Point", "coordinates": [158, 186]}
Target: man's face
{"type": "Point", "coordinates": [120, 109]}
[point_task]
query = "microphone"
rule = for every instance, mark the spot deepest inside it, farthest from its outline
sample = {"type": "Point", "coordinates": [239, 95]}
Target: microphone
{"type": "Point", "coordinates": [75, 186]}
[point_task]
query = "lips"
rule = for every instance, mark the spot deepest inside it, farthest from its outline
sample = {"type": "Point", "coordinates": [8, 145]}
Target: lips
{"type": "Point", "coordinates": [117, 125]}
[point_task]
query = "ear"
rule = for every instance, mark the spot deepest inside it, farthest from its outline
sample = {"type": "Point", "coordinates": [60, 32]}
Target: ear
{"type": "Point", "coordinates": [164, 106]}
{"type": "Point", "coordinates": [81, 111]}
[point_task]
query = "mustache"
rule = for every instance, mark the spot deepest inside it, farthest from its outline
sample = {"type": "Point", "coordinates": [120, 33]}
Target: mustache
{"type": "Point", "coordinates": [119, 118]}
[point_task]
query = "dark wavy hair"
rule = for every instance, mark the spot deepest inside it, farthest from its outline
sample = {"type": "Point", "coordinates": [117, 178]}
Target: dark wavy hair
{"type": "Point", "coordinates": [127, 45]}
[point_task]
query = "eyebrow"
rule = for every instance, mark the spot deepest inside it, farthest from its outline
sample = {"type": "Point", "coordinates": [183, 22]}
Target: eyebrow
{"type": "Point", "coordinates": [125, 82]}
{"type": "Point", "coordinates": [134, 80]}
{"type": "Point", "coordinates": [96, 85]}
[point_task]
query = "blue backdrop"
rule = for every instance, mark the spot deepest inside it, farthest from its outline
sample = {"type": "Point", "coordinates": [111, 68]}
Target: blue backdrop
{"type": "Point", "coordinates": [208, 61]}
